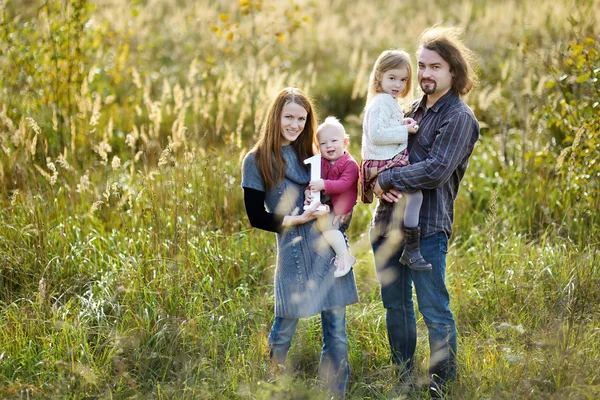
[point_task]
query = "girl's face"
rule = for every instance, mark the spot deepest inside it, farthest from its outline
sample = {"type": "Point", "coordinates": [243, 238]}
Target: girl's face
{"type": "Point", "coordinates": [332, 142]}
{"type": "Point", "coordinates": [293, 119]}
{"type": "Point", "coordinates": [393, 81]}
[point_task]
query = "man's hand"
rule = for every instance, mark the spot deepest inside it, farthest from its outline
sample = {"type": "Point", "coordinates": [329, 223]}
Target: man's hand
{"type": "Point", "coordinates": [392, 196]}
{"type": "Point", "coordinates": [317, 186]}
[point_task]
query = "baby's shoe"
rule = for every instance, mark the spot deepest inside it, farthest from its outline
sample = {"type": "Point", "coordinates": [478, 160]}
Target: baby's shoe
{"type": "Point", "coordinates": [343, 264]}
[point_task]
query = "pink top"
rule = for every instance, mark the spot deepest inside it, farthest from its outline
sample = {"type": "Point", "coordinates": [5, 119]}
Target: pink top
{"type": "Point", "coordinates": [341, 182]}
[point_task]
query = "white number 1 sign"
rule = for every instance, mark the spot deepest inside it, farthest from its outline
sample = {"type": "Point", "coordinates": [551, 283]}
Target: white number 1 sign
{"type": "Point", "coordinates": [315, 174]}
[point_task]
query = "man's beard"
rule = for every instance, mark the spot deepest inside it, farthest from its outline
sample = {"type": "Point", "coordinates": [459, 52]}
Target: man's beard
{"type": "Point", "coordinates": [431, 88]}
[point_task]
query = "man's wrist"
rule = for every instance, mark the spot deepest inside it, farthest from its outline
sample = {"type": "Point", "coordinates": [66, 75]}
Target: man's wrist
{"type": "Point", "coordinates": [384, 179]}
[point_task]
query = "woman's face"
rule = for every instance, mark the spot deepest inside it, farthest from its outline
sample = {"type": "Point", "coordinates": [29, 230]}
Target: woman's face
{"type": "Point", "coordinates": [293, 119]}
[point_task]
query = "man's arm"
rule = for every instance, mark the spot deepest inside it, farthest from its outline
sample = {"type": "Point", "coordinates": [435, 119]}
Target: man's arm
{"type": "Point", "coordinates": [454, 141]}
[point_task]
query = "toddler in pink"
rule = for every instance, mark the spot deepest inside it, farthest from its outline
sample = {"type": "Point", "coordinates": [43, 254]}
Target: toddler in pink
{"type": "Point", "coordinates": [339, 173]}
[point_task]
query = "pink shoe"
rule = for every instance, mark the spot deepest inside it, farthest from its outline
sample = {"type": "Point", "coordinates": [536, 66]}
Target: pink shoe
{"type": "Point", "coordinates": [343, 264]}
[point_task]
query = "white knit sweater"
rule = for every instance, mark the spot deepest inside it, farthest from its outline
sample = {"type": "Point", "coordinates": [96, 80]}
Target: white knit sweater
{"type": "Point", "coordinates": [384, 133]}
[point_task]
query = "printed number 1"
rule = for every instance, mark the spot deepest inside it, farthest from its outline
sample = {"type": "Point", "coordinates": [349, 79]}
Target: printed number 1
{"type": "Point", "coordinates": [315, 174]}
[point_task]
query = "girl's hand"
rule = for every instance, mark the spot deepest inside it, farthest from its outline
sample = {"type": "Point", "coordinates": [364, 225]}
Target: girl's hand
{"type": "Point", "coordinates": [411, 125]}
{"type": "Point", "coordinates": [317, 186]}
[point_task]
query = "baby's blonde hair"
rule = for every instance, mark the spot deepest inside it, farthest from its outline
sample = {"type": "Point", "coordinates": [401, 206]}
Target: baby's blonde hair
{"type": "Point", "coordinates": [333, 122]}
{"type": "Point", "coordinates": [387, 60]}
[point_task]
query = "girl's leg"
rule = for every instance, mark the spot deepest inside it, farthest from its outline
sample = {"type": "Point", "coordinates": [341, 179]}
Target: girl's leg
{"type": "Point", "coordinates": [411, 255]}
{"type": "Point", "coordinates": [413, 208]}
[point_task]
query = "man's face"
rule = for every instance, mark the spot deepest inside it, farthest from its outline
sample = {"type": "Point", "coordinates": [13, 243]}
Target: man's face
{"type": "Point", "coordinates": [435, 77]}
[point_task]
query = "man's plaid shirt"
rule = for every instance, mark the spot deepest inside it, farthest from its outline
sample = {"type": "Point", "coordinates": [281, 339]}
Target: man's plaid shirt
{"type": "Point", "coordinates": [439, 154]}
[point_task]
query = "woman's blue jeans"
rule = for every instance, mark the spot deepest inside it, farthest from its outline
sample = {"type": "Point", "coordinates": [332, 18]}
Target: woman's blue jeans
{"type": "Point", "coordinates": [396, 282]}
{"type": "Point", "coordinates": [334, 369]}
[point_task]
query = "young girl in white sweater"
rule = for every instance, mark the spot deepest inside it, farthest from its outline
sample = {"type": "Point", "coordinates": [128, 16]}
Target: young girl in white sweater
{"type": "Point", "coordinates": [385, 140]}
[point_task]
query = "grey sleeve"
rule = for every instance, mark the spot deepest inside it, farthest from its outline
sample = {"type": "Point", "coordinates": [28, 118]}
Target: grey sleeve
{"type": "Point", "coordinates": [251, 175]}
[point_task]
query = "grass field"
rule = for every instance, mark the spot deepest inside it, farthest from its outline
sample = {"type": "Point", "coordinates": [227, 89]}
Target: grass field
{"type": "Point", "coordinates": [128, 268]}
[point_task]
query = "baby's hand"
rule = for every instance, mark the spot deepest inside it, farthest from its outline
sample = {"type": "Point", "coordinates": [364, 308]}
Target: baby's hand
{"type": "Point", "coordinates": [411, 125]}
{"type": "Point", "coordinates": [317, 186]}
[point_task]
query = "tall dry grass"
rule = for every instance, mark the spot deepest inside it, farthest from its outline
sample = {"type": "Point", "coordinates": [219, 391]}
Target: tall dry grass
{"type": "Point", "coordinates": [127, 265]}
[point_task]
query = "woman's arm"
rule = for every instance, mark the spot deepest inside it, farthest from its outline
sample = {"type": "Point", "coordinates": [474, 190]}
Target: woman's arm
{"type": "Point", "coordinates": [254, 201]}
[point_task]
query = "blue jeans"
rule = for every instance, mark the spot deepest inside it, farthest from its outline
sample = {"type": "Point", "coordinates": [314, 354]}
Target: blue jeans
{"type": "Point", "coordinates": [396, 282]}
{"type": "Point", "coordinates": [334, 368]}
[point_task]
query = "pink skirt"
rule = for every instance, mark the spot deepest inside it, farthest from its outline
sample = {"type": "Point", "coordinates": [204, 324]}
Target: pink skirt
{"type": "Point", "coordinates": [369, 169]}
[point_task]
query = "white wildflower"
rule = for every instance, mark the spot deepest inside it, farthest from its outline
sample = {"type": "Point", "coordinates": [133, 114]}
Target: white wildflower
{"type": "Point", "coordinates": [13, 198]}
{"type": "Point", "coordinates": [54, 176]}
{"type": "Point", "coordinates": [96, 111]}
{"type": "Point", "coordinates": [164, 157]}
{"type": "Point", "coordinates": [116, 162]}
{"type": "Point", "coordinates": [84, 183]}
{"type": "Point", "coordinates": [96, 206]}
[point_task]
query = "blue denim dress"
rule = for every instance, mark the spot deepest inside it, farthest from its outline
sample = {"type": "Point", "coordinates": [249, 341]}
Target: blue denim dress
{"type": "Point", "coordinates": [304, 281]}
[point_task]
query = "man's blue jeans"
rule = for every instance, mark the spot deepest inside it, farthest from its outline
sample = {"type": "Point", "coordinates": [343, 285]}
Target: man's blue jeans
{"type": "Point", "coordinates": [334, 369]}
{"type": "Point", "coordinates": [396, 282]}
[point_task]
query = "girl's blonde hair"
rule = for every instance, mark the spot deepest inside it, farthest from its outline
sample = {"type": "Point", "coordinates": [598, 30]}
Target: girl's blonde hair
{"type": "Point", "coordinates": [389, 59]}
{"type": "Point", "coordinates": [269, 156]}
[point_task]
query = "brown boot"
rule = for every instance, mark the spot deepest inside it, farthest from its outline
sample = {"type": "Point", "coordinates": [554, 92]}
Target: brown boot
{"type": "Point", "coordinates": [411, 255]}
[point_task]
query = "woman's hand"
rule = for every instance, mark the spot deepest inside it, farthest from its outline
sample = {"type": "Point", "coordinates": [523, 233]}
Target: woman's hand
{"type": "Point", "coordinates": [392, 196]}
{"type": "Point", "coordinates": [306, 216]}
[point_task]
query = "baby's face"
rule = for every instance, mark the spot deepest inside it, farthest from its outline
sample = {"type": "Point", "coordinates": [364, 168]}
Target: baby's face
{"type": "Point", "coordinates": [331, 143]}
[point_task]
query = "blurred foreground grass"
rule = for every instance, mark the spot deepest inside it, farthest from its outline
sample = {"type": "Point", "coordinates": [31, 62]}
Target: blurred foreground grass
{"type": "Point", "coordinates": [128, 269]}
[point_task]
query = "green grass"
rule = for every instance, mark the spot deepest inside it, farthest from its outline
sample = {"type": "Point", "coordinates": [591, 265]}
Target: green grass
{"type": "Point", "coordinates": [148, 300]}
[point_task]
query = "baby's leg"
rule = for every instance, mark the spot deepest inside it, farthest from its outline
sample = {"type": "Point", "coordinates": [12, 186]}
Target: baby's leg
{"type": "Point", "coordinates": [336, 240]}
{"type": "Point", "coordinates": [332, 234]}
{"type": "Point", "coordinates": [413, 208]}
{"type": "Point", "coordinates": [343, 260]}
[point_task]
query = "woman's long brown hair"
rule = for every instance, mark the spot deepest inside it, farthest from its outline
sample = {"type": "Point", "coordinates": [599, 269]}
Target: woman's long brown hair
{"type": "Point", "coordinates": [269, 157]}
